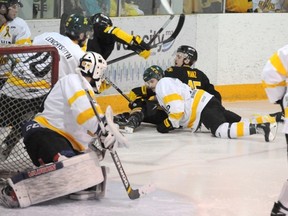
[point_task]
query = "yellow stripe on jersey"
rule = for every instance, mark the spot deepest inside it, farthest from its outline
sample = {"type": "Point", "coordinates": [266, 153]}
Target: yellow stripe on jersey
{"type": "Point", "coordinates": [277, 63]}
{"type": "Point", "coordinates": [77, 95]}
{"type": "Point", "coordinates": [172, 97]}
{"type": "Point", "coordinates": [76, 145]}
{"type": "Point", "coordinates": [240, 129]}
{"type": "Point", "coordinates": [144, 90]}
{"type": "Point", "coordinates": [176, 116]}
{"type": "Point", "coordinates": [196, 101]}
{"type": "Point", "coordinates": [19, 82]}
{"type": "Point", "coordinates": [85, 116]}
{"type": "Point", "coordinates": [24, 41]}
{"type": "Point", "coordinates": [286, 112]}
{"type": "Point", "coordinates": [281, 84]}
{"type": "Point", "coordinates": [119, 33]}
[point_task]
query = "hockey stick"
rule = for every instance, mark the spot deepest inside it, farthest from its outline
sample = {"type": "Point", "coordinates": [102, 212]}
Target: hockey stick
{"type": "Point", "coordinates": [167, 7]}
{"type": "Point", "coordinates": [117, 89]}
{"type": "Point", "coordinates": [171, 38]}
{"type": "Point", "coordinates": [168, 40]}
{"type": "Point", "coordinates": [132, 193]}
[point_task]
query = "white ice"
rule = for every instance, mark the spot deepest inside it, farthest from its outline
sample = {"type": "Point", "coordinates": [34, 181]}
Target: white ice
{"type": "Point", "coordinates": [195, 174]}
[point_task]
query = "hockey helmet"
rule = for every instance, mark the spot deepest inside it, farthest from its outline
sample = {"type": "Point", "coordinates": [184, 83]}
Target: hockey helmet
{"type": "Point", "coordinates": [153, 71]}
{"type": "Point", "coordinates": [101, 19]}
{"type": "Point", "coordinates": [93, 65]}
{"type": "Point", "coordinates": [8, 3]}
{"type": "Point", "coordinates": [77, 24]}
{"type": "Point", "coordinates": [190, 52]}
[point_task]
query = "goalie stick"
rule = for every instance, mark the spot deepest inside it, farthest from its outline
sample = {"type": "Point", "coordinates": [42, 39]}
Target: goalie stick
{"type": "Point", "coordinates": [132, 193]}
{"type": "Point", "coordinates": [168, 40]}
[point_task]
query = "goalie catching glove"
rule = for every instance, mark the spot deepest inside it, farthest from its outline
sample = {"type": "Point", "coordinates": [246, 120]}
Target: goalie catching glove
{"type": "Point", "coordinates": [140, 47]}
{"type": "Point", "coordinates": [111, 138]}
{"type": "Point", "coordinates": [165, 126]}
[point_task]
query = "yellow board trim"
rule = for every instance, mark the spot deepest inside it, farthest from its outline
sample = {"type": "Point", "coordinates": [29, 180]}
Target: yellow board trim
{"type": "Point", "coordinates": [230, 93]}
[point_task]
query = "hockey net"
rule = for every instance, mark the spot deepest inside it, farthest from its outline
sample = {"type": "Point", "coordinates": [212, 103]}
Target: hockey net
{"type": "Point", "coordinates": [26, 75]}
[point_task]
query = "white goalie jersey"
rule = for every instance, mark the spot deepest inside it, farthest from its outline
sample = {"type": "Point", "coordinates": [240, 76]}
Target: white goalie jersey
{"type": "Point", "coordinates": [68, 112]}
{"type": "Point", "coordinates": [182, 104]}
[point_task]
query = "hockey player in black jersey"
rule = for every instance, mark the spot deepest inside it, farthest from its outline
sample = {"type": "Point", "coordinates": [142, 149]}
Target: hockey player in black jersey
{"type": "Point", "coordinates": [105, 36]}
{"type": "Point", "coordinates": [186, 57]}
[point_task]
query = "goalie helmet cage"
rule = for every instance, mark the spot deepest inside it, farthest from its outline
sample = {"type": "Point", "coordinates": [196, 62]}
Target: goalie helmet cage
{"type": "Point", "coordinates": [28, 65]}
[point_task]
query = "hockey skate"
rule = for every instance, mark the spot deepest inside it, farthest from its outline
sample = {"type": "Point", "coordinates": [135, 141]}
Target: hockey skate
{"type": "Point", "coordinates": [121, 118]}
{"type": "Point", "coordinates": [268, 129]}
{"type": "Point", "coordinates": [279, 116]}
{"type": "Point", "coordinates": [95, 192]}
{"type": "Point", "coordinates": [132, 122]}
{"type": "Point", "coordinates": [279, 209]}
{"type": "Point", "coordinates": [8, 197]}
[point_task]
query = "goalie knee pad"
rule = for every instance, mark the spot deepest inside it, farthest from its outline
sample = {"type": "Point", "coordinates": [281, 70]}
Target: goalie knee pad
{"type": "Point", "coordinates": [57, 179]}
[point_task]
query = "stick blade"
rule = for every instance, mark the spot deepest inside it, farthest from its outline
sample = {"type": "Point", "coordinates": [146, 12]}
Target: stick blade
{"type": "Point", "coordinates": [143, 191]}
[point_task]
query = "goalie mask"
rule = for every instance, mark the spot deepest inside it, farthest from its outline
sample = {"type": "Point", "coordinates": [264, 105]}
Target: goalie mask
{"type": "Point", "coordinates": [189, 55]}
{"type": "Point", "coordinates": [93, 65]}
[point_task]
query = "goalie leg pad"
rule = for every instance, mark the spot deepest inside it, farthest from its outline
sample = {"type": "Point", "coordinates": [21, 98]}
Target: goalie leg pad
{"type": "Point", "coordinates": [95, 192]}
{"type": "Point", "coordinates": [57, 179]}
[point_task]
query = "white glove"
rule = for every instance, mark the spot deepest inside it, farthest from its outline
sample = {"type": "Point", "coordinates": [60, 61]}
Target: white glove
{"type": "Point", "coordinates": [114, 138]}
{"type": "Point", "coordinates": [108, 140]}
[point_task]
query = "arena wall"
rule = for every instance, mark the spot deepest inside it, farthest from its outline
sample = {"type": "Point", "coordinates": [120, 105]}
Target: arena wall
{"type": "Point", "coordinates": [232, 50]}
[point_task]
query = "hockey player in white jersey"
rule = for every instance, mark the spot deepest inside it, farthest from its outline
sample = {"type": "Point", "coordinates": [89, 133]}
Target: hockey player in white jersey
{"type": "Point", "coordinates": [274, 79]}
{"type": "Point", "coordinates": [186, 107]}
{"type": "Point", "coordinates": [13, 30]}
{"type": "Point", "coordinates": [23, 87]}
{"type": "Point", "coordinates": [62, 132]}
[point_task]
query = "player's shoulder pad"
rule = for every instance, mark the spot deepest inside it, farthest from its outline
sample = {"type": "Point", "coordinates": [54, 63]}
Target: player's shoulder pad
{"type": "Point", "coordinates": [169, 70]}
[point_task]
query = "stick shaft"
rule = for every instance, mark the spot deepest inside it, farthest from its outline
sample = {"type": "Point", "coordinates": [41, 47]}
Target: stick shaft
{"type": "Point", "coordinates": [149, 43]}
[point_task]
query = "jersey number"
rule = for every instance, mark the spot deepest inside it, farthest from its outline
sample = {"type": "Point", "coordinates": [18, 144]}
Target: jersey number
{"type": "Point", "coordinates": [194, 84]}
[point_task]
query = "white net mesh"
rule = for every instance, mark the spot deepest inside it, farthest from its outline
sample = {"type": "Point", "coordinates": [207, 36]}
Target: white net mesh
{"type": "Point", "coordinates": [26, 76]}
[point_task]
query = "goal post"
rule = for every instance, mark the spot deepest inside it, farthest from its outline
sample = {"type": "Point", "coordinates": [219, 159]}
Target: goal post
{"type": "Point", "coordinates": [27, 73]}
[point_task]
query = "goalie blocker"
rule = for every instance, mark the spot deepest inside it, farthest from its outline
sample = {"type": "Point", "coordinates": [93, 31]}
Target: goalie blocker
{"type": "Point", "coordinates": [52, 181]}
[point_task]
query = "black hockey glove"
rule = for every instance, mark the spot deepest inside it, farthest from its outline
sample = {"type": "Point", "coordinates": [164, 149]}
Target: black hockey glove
{"type": "Point", "coordinates": [165, 126]}
{"type": "Point", "coordinates": [140, 47]}
{"type": "Point", "coordinates": [138, 103]}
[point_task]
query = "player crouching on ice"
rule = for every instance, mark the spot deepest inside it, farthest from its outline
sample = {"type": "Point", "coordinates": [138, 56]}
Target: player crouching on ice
{"type": "Point", "coordinates": [187, 107]}
{"type": "Point", "coordinates": [58, 137]}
